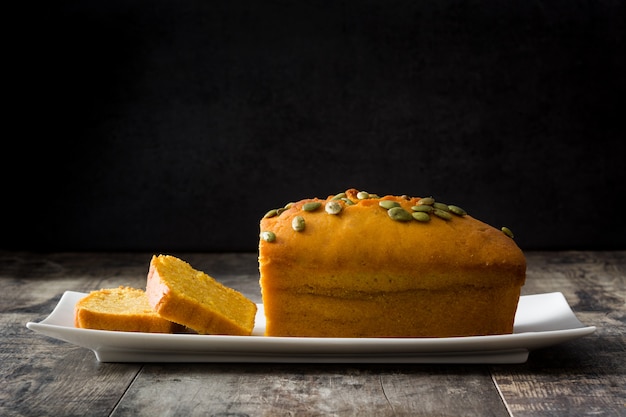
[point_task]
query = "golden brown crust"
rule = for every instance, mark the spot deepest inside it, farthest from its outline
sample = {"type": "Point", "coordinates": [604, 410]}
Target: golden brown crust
{"type": "Point", "coordinates": [361, 252]}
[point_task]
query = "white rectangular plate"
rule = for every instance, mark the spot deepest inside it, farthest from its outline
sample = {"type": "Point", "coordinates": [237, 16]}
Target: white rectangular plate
{"type": "Point", "coordinates": [542, 320]}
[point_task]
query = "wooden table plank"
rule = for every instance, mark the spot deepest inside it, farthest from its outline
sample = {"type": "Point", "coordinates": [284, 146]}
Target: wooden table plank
{"type": "Point", "coordinates": [43, 376]}
{"type": "Point", "coordinates": [312, 390]}
{"type": "Point", "coordinates": [568, 379]}
{"type": "Point", "coordinates": [582, 377]}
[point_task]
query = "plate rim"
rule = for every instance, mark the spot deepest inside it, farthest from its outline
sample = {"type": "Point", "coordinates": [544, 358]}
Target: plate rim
{"type": "Point", "coordinates": [168, 347]}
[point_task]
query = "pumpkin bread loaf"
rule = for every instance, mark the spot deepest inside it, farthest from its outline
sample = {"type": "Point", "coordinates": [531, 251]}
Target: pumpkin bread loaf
{"type": "Point", "coordinates": [122, 309]}
{"type": "Point", "coordinates": [192, 298]}
{"type": "Point", "coordinates": [360, 265]}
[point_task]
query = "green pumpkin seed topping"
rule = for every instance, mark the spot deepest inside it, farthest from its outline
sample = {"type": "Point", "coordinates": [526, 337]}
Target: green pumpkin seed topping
{"type": "Point", "coordinates": [348, 201]}
{"type": "Point", "coordinates": [268, 236]}
{"type": "Point", "coordinates": [423, 208]}
{"type": "Point", "coordinates": [399, 214]}
{"type": "Point", "coordinates": [421, 212]}
{"type": "Point", "coordinates": [333, 207]}
{"type": "Point", "coordinates": [298, 224]}
{"type": "Point", "coordinates": [420, 216]}
{"type": "Point", "coordinates": [442, 214]}
{"type": "Point", "coordinates": [457, 210]}
{"type": "Point", "coordinates": [428, 201]}
{"type": "Point", "coordinates": [311, 206]}
{"type": "Point", "coordinates": [388, 204]}
{"type": "Point", "coordinates": [271, 213]}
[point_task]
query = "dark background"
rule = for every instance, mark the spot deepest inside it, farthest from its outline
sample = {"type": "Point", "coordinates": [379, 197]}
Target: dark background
{"type": "Point", "coordinates": [175, 125]}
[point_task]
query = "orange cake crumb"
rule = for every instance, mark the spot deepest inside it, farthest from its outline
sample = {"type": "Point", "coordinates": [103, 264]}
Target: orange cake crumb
{"type": "Point", "coordinates": [179, 293]}
{"type": "Point", "coordinates": [123, 309]}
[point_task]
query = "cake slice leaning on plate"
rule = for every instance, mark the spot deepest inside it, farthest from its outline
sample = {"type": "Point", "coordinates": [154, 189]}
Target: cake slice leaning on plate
{"type": "Point", "coordinates": [184, 295]}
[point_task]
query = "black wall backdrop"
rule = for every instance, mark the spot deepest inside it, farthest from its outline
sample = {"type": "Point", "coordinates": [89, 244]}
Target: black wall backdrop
{"type": "Point", "coordinates": [175, 125]}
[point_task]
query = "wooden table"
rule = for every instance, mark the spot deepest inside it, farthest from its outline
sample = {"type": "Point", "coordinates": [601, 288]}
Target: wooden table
{"type": "Point", "coordinates": [43, 376]}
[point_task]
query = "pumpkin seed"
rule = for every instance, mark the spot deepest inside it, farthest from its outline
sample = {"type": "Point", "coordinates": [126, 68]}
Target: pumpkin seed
{"type": "Point", "coordinates": [421, 216]}
{"type": "Point", "coordinates": [311, 206]}
{"type": "Point", "coordinates": [333, 207]}
{"type": "Point", "coordinates": [347, 201]}
{"type": "Point", "coordinates": [388, 204]}
{"type": "Point", "coordinates": [297, 223]}
{"type": "Point", "coordinates": [442, 214]}
{"type": "Point", "coordinates": [362, 195]}
{"type": "Point", "coordinates": [423, 208]}
{"type": "Point", "coordinates": [507, 232]}
{"type": "Point", "coordinates": [268, 236]}
{"type": "Point", "coordinates": [441, 206]}
{"type": "Point", "coordinates": [457, 210]}
{"type": "Point", "coordinates": [339, 196]}
{"type": "Point", "coordinates": [399, 214]}
{"type": "Point", "coordinates": [429, 201]}
{"type": "Point", "coordinates": [271, 213]}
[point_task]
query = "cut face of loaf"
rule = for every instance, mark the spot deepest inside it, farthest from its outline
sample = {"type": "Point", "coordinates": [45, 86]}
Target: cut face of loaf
{"type": "Point", "coordinates": [363, 271]}
{"type": "Point", "coordinates": [120, 309]}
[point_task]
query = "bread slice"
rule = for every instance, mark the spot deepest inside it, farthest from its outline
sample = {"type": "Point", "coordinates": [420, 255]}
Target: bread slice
{"type": "Point", "coordinates": [179, 293]}
{"type": "Point", "coordinates": [123, 309]}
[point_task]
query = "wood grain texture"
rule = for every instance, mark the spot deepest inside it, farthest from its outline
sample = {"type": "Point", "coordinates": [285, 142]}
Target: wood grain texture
{"type": "Point", "coordinates": [44, 376]}
{"type": "Point", "coordinates": [573, 379]}
{"type": "Point", "coordinates": [584, 376]}
{"type": "Point", "coordinates": [312, 390]}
